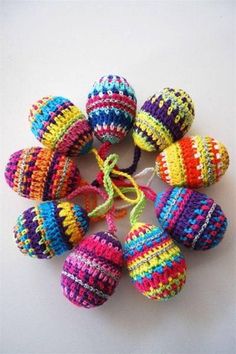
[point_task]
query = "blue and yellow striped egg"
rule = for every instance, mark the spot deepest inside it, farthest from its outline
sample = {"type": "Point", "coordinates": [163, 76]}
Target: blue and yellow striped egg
{"type": "Point", "coordinates": [58, 124]}
{"type": "Point", "coordinates": [50, 229]}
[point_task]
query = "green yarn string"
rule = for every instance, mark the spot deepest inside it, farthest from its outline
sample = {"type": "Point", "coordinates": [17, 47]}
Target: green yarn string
{"type": "Point", "coordinates": [137, 210]}
{"type": "Point", "coordinates": [109, 164]}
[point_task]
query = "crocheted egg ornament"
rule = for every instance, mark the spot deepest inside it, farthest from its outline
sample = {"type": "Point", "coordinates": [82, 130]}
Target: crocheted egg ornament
{"type": "Point", "coordinates": [50, 229]}
{"type": "Point", "coordinates": [58, 124]}
{"type": "Point", "coordinates": [155, 264]}
{"type": "Point", "coordinates": [41, 174]}
{"type": "Point", "coordinates": [111, 108]}
{"type": "Point", "coordinates": [191, 218]}
{"type": "Point", "coordinates": [92, 270]}
{"type": "Point", "coordinates": [163, 119]}
{"type": "Point", "coordinates": [193, 162]}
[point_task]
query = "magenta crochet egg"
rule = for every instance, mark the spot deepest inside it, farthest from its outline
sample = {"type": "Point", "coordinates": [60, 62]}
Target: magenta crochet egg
{"type": "Point", "coordinates": [92, 270]}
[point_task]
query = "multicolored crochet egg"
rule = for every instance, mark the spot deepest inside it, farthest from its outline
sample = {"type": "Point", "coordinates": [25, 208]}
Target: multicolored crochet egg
{"type": "Point", "coordinates": [50, 229]}
{"type": "Point", "coordinates": [92, 270]}
{"type": "Point", "coordinates": [111, 108]}
{"type": "Point", "coordinates": [58, 124]}
{"type": "Point", "coordinates": [41, 174]}
{"type": "Point", "coordinates": [163, 119]}
{"type": "Point", "coordinates": [191, 218]}
{"type": "Point", "coordinates": [193, 162]}
{"type": "Point", "coordinates": [155, 264]}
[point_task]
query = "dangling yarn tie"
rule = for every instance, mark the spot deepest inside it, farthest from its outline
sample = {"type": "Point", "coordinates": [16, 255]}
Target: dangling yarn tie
{"type": "Point", "coordinates": [110, 214]}
{"type": "Point", "coordinates": [107, 167]}
{"type": "Point", "coordinates": [132, 168]}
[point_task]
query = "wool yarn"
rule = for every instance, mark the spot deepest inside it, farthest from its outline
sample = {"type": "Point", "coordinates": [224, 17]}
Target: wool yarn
{"type": "Point", "coordinates": [155, 264]}
{"type": "Point", "coordinates": [163, 119]}
{"type": "Point", "coordinates": [41, 174]}
{"type": "Point", "coordinates": [111, 108]}
{"type": "Point", "coordinates": [58, 124]}
{"type": "Point", "coordinates": [50, 229]}
{"type": "Point", "coordinates": [92, 270]}
{"type": "Point", "coordinates": [191, 218]}
{"type": "Point", "coordinates": [193, 161]}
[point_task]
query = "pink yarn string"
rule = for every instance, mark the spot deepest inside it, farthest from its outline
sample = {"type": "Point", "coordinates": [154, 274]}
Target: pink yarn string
{"type": "Point", "coordinates": [110, 214]}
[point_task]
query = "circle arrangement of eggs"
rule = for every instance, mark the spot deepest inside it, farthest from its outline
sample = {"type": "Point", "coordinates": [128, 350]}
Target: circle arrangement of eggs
{"type": "Point", "coordinates": [41, 174]}
{"type": "Point", "coordinates": [155, 264]}
{"type": "Point", "coordinates": [50, 229]}
{"type": "Point", "coordinates": [193, 161]}
{"type": "Point", "coordinates": [191, 218]}
{"type": "Point", "coordinates": [58, 124]}
{"type": "Point", "coordinates": [92, 271]}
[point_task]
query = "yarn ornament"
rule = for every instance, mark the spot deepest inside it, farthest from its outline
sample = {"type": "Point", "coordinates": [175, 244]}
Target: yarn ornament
{"type": "Point", "coordinates": [193, 162]}
{"type": "Point", "coordinates": [92, 270]}
{"type": "Point", "coordinates": [163, 119]}
{"type": "Point", "coordinates": [111, 108]}
{"type": "Point", "coordinates": [155, 264]}
{"type": "Point", "coordinates": [58, 124]}
{"type": "Point", "coordinates": [50, 229]}
{"type": "Point", "coordinates": [41, 174]}
{"type": "Point", "coordinates": [191, 218]}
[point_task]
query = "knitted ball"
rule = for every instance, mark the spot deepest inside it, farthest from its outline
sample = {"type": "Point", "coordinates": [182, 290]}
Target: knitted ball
{"type": "Point", "coordinates": [92, 270]}
{"type": "Point", "coordinates": [58, 124]}
{"type": "Point", "coordinates": [191, 218]}
{"type": "Point", "coordinates": [41, 174]}
{"type": "Point", "coordinates": [163, 119]}
{"type": "Point", "coordinates": [111, 108]}
{"type": "Point", "coordinates": [155, 264]}
{"type": "Point", "coordinates": [193, 162]}
{"type": "Point", "coordinates": [50, 229]}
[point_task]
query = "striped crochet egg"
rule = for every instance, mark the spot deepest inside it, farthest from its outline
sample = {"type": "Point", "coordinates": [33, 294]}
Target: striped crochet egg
{"type": "Point", "coordinates": [50, 229]}
{"type": "Point", "coordinates": [191, 218]}
{"type": "Point", "coordinates": [163, 119]}
{"type": "Point", "coordinates": [41, 174]}
{"type": "Point", "coordinates": [155, 264]}
{"type": "Point", "coordinates": [193, 162]}
{"type": "Point", "coordinates": [58, 124]}
{"type": "Point", "coordinates": [92, 270]}
{"type": "Point", "coordinates": [111, 108]}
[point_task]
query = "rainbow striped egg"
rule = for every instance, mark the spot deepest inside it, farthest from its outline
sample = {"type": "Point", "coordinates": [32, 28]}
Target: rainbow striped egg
{"type": "Point", "coordinates": [193, 161]}
{"type": "Point", "coordinates": [58, 124]}
{"type": "Point", "coordinates": [92, 271]}
{"type": "Point", "coordinates": [191, 218]}
{"type": "Point", "coordinates": [41, 174]}
{"type": "Point", "coordinates": [163, 119]}
{"type": "Point", "coordinates": [50, 229]}
{"type": "Point", "coordinates": [155, 264]}
{"type": "Point", "coordinates": [111, 108]}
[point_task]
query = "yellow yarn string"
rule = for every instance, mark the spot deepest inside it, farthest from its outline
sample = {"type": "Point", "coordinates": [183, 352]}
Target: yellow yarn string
{"type": "Point", "coordinates": [119, 173]}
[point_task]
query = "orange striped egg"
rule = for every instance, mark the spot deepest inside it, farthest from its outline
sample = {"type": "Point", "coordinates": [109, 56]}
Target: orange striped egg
{"type": "Point", "coordinates": [41, 174]}
{"type": "Point", "coordinates": [193, 161]}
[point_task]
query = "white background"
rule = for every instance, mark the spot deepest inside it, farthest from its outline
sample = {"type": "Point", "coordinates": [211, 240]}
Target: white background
{"type": "Point", "coordinates": [60, 48]}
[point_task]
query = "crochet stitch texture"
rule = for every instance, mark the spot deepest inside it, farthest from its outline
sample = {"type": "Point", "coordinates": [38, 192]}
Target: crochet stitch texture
{"type": "Point", "coordinates": [191, 218]}
{"type": "Point", "coordinates": [58, 124]}
{"type": "Point", "coordinates": [163, 119]}
{"type": "Point", "coordinates": [111, 108]}
{"type": "Point", "coordinates": [193, 161]}
{"type": "Point", "coordinates": [50, 229]}
{"type": "Point", "coordinates": [92, 270]}
{"type": "Point", "coordinates": [41, 174]}
{"type": "Point", "coordinates": [155, 264]}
